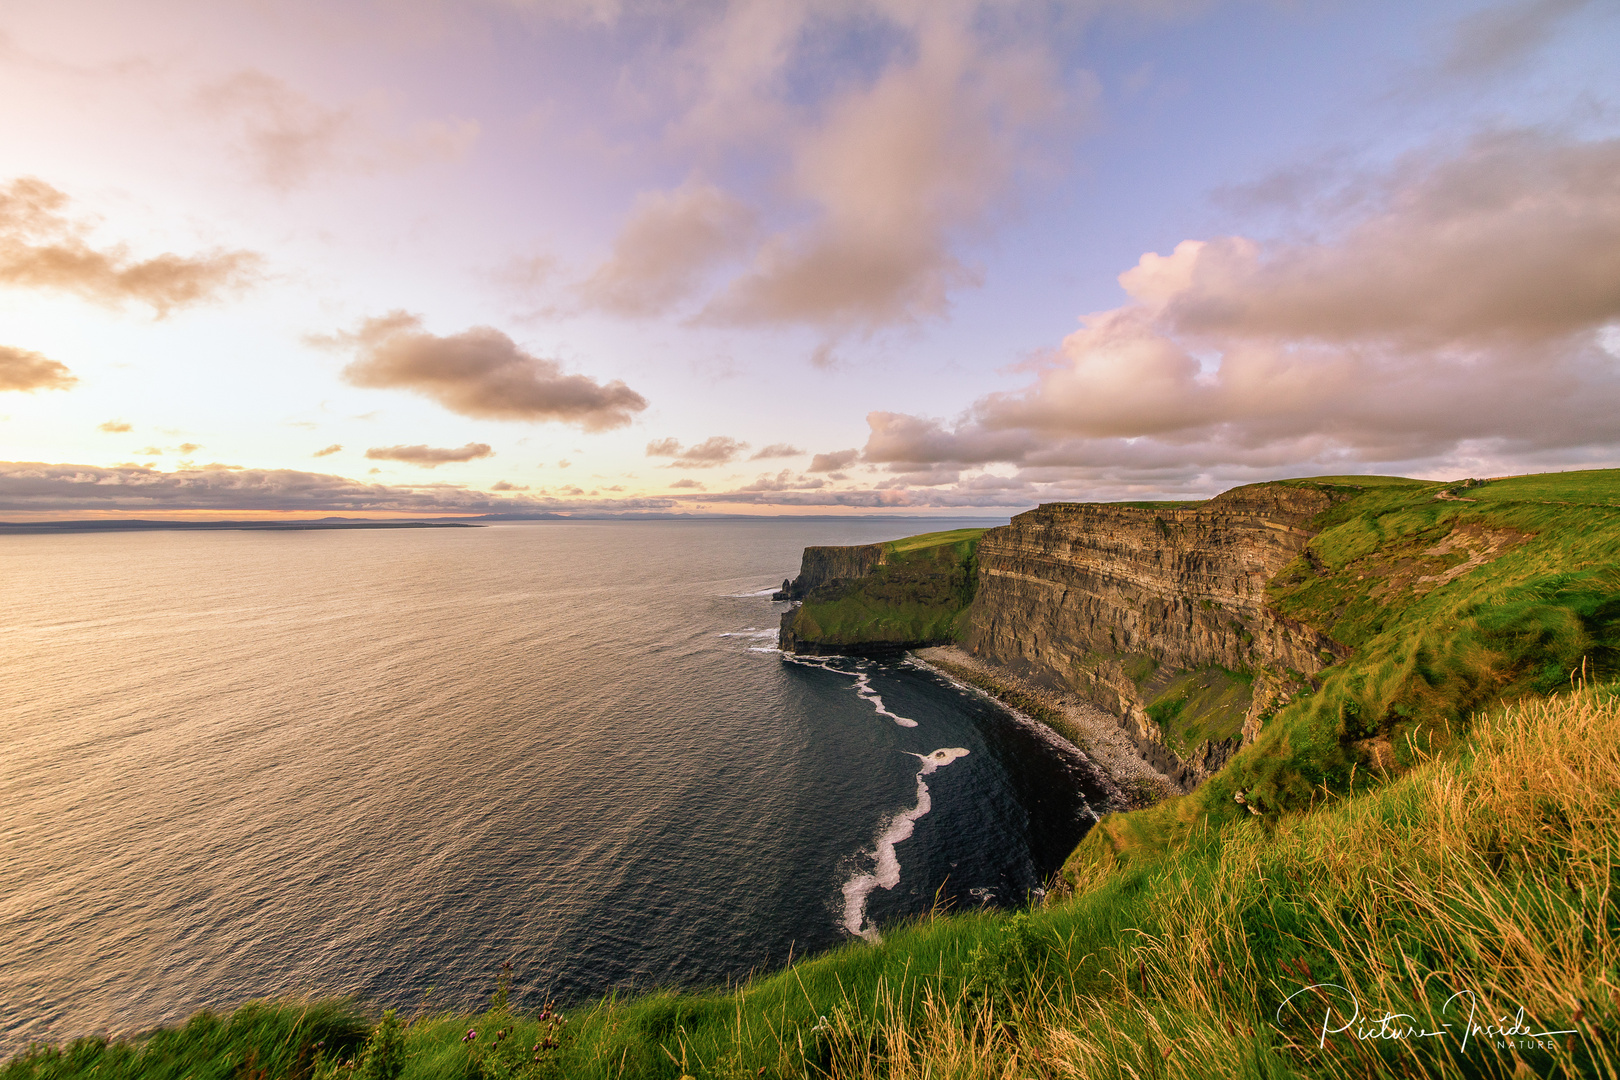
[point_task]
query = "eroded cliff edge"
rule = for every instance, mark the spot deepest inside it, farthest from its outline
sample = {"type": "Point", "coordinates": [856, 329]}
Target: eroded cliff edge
{"type": "Point", "coordinates": [881, 599]}
{"type": "Point", "coordinates": [1155, 612]}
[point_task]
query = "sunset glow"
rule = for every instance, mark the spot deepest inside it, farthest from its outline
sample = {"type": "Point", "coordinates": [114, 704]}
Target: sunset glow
{"type": "Point", "coordinates": [374, 259]}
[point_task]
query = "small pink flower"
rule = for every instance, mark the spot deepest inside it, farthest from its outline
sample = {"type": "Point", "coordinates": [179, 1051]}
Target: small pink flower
{"type": "Point", "coordinates": [472, 1033]}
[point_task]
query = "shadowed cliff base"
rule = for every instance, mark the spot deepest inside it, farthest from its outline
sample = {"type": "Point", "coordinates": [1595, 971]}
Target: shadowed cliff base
{"type": "Point", "coordinates": [1097, 733]}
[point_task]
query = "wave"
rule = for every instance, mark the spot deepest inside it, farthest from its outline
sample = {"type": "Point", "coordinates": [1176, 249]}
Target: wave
{"type": "Point", "coordinates": [896, 829]}
{"type": "Point", "coordinates": [863, 687]}
{"type": "Point", "coordinates": [1065, 750]}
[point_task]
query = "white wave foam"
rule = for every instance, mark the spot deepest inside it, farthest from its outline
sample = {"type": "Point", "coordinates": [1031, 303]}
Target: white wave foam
{"type": "Point", "coordinates": [863, 687]}
{"type": "Point", "coordinates": [749, 632]}
{"type": "Point", "coordinates": [1063, 747]}
{"type": "Point", "coordinates": [939, 758]}
{"type": "Point", "coordinates": [895, 830]}
{"type": "Point", "coordinates": [750, 595]}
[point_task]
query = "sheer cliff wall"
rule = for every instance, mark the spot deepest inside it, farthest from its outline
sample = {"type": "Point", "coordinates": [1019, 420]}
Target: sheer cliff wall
{"type": "Point", "coordinates": [829, 565]}
{"type": "Point", "coordinates": [1125, 606]}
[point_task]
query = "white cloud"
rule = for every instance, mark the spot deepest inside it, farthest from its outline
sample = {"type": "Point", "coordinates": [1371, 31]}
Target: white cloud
{"type": "Point", "coordinates": [1460, 318]}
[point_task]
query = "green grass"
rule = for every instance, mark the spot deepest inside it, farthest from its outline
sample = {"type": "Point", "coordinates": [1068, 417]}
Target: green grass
{"type": "Point", "coordinates": [1427, 654]}
{"type": "Point", "coordinates": [918, 596]}
{"type": "Point", "coordinates": [1491, 868]}
{"type": "Point", "coordinates": [953, 537]}
{"type": "Point", "coordinates": [1207, 704]}
{"type": "Point", "coordinates": [1404, 848]}
{"type": "Point", "coordinates": [260, 1039]}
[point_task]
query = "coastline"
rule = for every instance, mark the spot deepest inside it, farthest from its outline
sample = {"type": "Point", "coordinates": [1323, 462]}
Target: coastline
{"type": "Point", "coordinates": [1097, 734]}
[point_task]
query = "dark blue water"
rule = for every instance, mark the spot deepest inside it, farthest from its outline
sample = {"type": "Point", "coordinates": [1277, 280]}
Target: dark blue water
{"type": "Point", "coordinates": [375, 763]}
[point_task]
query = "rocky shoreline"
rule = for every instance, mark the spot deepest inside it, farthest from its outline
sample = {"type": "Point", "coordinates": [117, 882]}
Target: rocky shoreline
{"type": "Point", "coordinates": [1098, 734]}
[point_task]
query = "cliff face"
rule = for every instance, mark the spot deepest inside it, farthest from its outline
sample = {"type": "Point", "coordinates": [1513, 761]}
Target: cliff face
{"type": "Point", "coordinates": [882, 599]}
{"type": "Point", "coordinates": [828, 565]}
{"type": "Point", "coordinates": [1123, 605]}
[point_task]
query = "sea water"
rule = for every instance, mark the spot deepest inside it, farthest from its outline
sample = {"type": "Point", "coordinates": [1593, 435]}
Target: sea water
{"type": "Point", "coordinates": [382, 763]}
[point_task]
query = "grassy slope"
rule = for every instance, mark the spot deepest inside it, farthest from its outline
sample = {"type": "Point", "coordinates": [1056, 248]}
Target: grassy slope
{"type": "Point", "coordinates": [1207, 704]}
{"type": "Point", "coordinates": [1426, 653]}
{"type": "Point", "coordinates": [1490, 868]}
{"type": "Point", "coordinates": [1478, 859]}
{"type": "Point", "coordinates": [920, 594]}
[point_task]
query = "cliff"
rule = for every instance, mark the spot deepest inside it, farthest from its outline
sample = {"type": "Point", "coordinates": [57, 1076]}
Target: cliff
{"type": "Point", "coordinates": [1334, 624]}
{"type": "Point", "coordinates": [881, 599]}
{"type": "Point", "coordinates": [820, 566]}
{"type": "Point", "coordinates": [1157, 613]}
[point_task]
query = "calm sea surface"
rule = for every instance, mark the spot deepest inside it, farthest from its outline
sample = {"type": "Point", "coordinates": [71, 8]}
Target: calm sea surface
{"type": "Point", "coordinates": [381, 763]}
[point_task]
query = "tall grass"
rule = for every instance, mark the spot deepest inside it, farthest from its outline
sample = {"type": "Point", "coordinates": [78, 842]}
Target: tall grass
{"type": "Point", "coordinates": [1488, 871]}
{"type": "Point", "coordinates": [1485, 878]}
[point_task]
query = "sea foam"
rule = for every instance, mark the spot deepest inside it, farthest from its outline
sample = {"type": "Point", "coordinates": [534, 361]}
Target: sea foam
{"type": "Point", "coordinates": [863, 687]}
{"type": "Point", "coordinates": [895, 830]}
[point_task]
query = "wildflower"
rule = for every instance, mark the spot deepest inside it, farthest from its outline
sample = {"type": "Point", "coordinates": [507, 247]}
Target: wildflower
{"type": "Point", "coordinates": [472, 1033]}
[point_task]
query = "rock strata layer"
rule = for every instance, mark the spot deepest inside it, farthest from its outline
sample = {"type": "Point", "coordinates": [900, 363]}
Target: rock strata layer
{"type": "Point", "coordinates": [1110, 602]}
{"type": "Point", "coordinates": [829, 566]}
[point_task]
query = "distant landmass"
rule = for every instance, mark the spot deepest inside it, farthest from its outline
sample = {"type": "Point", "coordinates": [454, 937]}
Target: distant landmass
{"type": "Point", "coordinates": [141, 525]}
{"type": "Point", "coordinates": [54, 527]}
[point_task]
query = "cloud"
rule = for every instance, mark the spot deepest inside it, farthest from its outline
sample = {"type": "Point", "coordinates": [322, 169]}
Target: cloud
{"type": "Point", "coordinates": [868, 499]}
{"type": "Point", "coordinates": [784, 481]}
{"type": "Point", "coordinates": [666, 247]}
{"type": "Point", "coordinates": [838, 459]}
{"type": "Point", "coordinates": [114, 427]}
{"type": "Point", "coordinates": [158, 451]}
{"type": "Point", "coordinates": [898, 170]}
{"type": "Point", "coordinates": [30, 371]}
{"type": "Point", "coordinates": [1502, 36]}
{"type": "Point", "coordinates": [36, 487]}
{"type": "Point", "coordinates": [1459, 318]}
{"type": "Point", "coordinates": [328, 451]}
{"type": "Point", "coordinates": [935, 477]}
{"type": "Point", "coordinates": [855, 187]}
{"type": "Point", "coordinates": [1518, 235]}
{"type": "Point", "coordinates": [713, 451]}
{"type": "Point", "coordinates": [776, 450]}
{"type": "Point", "coordinates": [504, 485]}
{"type": "Point", "coordinates": [687, 482]}
{"type": "Point", "coordinates": [897, 438]}
{"type": "Point", "coordinates": [480, 373]}
{"type": "Point", "coordinates": [288, 138]}
{"type": "Point", "coordinates": [430, 457]}
{"type": "Point", "coordinates": [41, 248]}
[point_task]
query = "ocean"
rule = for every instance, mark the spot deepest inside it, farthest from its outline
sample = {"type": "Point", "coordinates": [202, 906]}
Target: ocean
{"type": "Point", "coordinates": [382, 763]}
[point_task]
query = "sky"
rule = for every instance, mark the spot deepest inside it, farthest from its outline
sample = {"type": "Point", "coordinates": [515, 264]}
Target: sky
{"type": "Point", "coordinates": [412, 257]}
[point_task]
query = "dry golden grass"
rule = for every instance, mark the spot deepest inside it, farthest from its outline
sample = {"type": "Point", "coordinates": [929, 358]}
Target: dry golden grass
{"type": "Point", "coordinates": [1488, 871]}
{"type": "Point", "coordinates": [1491, 874]}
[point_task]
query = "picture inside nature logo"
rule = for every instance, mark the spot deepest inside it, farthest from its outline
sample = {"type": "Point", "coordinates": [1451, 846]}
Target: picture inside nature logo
{"type": "Point", "coordinates": [1328, 1010]}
